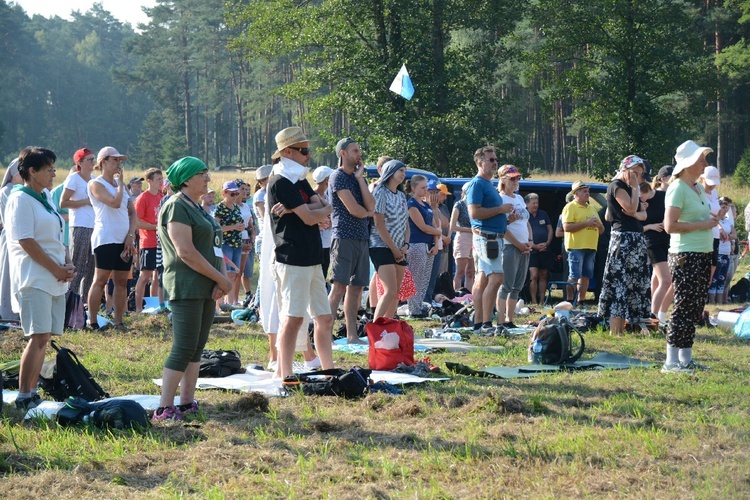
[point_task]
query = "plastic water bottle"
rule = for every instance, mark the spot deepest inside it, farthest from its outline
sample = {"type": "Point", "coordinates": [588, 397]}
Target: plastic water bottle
{"type": "Point", "coordinates": [536, 351]}
{"type": "Point", "coordinates": [452, 336]}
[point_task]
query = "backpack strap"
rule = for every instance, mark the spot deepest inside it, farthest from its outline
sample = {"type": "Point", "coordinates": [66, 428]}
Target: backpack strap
{"type": "Point", "coordinates": [575, 356]}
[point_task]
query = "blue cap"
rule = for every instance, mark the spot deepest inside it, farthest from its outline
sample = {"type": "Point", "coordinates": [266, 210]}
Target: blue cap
{"type": "Point", "coordinates": [230, 186]}
{"type": "Point", "coordinates": [432, 185]}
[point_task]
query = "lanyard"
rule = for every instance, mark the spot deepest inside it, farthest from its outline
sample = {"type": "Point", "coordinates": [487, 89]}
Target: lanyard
{"type": "Point", "coordinates": [215, 225]}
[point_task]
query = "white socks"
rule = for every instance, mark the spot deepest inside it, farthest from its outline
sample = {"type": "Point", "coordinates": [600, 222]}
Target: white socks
{"type": "Point", "coordinates": [662, 316]}
{"type": "Point", "coordinates": [672, 354]}
{"type": "Point", "coordinates": [686, 355]}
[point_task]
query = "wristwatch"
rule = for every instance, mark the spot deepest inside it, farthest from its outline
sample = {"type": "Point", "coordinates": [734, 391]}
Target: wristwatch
{"type": "Point", "coordinates": [131, 235]}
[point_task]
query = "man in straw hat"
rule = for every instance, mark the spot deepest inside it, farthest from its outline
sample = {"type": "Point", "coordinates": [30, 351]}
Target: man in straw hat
{"type": "Point", "coordinates": [295, 210]}
{"type": "Point", "coordinates": [582, 229]}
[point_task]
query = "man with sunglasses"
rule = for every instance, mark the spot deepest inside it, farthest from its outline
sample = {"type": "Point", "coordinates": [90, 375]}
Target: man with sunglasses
{"type": "Point", "coordinates": [353, 205]}
{"type": "Point", "coordinates": [294, 212]}
{"type": "Point", "coordinates": [489, 220]}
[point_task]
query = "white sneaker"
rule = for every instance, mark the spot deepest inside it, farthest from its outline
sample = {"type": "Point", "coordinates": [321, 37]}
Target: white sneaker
{"type": "Point", "coordinates": [313, 364]}
{"type": "Point", "coordinates": [272, 366]}
{"type": "Point", "coordinates": [676, 367]}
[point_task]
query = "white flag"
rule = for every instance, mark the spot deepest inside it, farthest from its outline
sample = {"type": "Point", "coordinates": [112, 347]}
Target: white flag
{"type": "Point", "coordinates": [402, 84]}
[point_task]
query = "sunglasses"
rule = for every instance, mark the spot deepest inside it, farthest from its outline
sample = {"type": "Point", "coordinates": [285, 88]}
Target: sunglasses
{"type": "Point", "coordinates": [302, 151]}
{"type": "Point", "coordinates": [234, 194]}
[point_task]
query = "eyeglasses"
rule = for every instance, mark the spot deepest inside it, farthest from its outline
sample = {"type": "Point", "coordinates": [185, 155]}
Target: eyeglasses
{"type": "Point", "coordinates": [491, 160]}
{"type": "Point", "coordinates": [302, 151]}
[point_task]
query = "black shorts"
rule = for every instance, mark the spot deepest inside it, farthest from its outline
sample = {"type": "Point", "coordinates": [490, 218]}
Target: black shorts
{"type": "Point", "coordinates": [148, 259]}
{"type": "Point", "coordinates": [658, 254]}
{"type": "Point", "coordinates": [381, 256]}
{"type": "Point", "coordinates": [107, 257]}
{"type": "Point", "coordinates": [540, 260]}
{"type": "Point", "coordinates": [715, 253]}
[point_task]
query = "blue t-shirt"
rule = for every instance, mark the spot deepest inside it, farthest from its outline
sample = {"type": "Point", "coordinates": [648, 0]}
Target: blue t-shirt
{"type": "Point", "coordinates": [416, 235]}
{"type": "Point", "coordinates": [481, 192]}
{"type": "Point", "coordinates": [343, 224]}
{"type": "Point", "coordinates": [539, 225]}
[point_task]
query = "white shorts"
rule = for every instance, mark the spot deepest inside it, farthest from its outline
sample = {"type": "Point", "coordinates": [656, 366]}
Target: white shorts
{"type": "Point", "coordinates": [41, 312]}
{"type": "Point", "coordinates": [300, 290]}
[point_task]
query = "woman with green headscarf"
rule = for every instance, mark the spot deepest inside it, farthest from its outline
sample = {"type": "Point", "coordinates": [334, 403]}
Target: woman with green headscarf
{"type": "Point", "coordinates": [194, 278]}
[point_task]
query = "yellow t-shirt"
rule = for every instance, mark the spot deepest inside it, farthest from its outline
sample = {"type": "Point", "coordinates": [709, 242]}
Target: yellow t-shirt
{"type": "Point", "coordinates": [585, 239]}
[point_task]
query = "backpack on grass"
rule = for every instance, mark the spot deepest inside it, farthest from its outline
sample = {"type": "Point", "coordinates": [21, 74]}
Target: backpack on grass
{"type": "Point", "coordinates": [350, 384]}
{"type": "Point", "coordinates": [112, 414]}
{"type": "Point", "coordinates": [220, 363]}
{"type": "Point", "coordinates": [71, 378]}
{"type": "Point", "coordinates": [560, 343]}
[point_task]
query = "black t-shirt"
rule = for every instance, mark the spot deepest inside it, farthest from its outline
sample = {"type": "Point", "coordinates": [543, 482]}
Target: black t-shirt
{"type": "Point", "coordinates": [620, 221]}
{"type": "Point", "coordinates": [654, 215]}
{"type": "Point", "coordinates": [297, 244]}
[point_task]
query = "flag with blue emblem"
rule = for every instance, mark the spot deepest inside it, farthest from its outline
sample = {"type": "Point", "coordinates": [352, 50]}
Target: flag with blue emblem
{"type": "Point", "coordinates": [402, 84]}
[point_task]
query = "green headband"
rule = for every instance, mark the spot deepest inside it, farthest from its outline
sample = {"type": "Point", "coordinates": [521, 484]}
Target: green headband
{"type": "Point", "coordinates": [182, 170]}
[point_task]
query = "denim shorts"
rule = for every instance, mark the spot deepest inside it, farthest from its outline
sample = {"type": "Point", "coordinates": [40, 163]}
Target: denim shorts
{"type": "Point", "coordinates": [482, 263]}
{"type": "Point", "coordinates": [581, 263]}
{"type": "Point", "coordinates": [233, 254]}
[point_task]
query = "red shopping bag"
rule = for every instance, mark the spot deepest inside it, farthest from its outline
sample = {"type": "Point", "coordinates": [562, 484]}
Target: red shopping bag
{"type": "Point", "coordinates": [405, 292]}
{"type": "Point", "coordinates": [388, 359]}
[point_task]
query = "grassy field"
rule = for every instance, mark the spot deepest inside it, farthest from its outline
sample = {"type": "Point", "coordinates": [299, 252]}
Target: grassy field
{"type": "Point", "coordinates": [614, 433]}
{"type": "Point", "coordinates": [633, 433]}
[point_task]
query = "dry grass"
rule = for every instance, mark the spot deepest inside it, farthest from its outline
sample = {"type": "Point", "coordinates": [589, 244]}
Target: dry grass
{"type": "Point", "coordinates": [618, 433]}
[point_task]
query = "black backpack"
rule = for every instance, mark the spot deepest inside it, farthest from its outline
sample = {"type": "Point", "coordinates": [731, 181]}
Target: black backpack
{"type": "Point", "coordinates": [71, 378]}
{"type": "Point", "coordinates": [220, 363]}
{"type": "Point", "coordinates": [559, 343]}
{"type": "Point", "coordinates": [112, 414]}
{"type": "Point", "coordinates": [350, 384]}
{"type": "Point", "coordinates": [739, 291]}
{"type": "Point", "coordinates": [444, 285]}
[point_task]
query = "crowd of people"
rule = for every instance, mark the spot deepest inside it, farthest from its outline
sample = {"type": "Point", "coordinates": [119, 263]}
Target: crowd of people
{"type": "Point", "coordinates": [672, 242]}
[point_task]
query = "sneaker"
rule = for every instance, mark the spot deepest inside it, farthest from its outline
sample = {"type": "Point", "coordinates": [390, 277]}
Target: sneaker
{"type": "Point", "coordinates": [188, 409]}
{"type": "Point", "coordinates": [509, 324]}
{"type": "Point", "coordinates": [489, 331]}
{"type": "Point", "coordinates": [167, 413]}
{"type": "Point", "coordinates": [272, 366]}
{"type": "Point", "coordinates": [675, 367]}
{"type": "Point", "coordinates": [313, 364]}
{"type": "Point", "coordinates": [28, 403]}
{"type": "Point", "coordinates": [692, 365]}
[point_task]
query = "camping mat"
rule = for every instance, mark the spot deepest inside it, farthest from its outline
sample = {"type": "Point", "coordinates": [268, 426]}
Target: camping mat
{"type": "Point", "coordinates": [342, 346]}
{"type": "Point", "coordinates": [452, 345]}
{"type": "Point", "coordinates": [262, 381]}
{"type": "Point", "coordinates": [602, 361]}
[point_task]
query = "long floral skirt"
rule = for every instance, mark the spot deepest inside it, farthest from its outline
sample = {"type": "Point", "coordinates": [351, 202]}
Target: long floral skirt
{"type": "Point", "coordinates": [626, 287]}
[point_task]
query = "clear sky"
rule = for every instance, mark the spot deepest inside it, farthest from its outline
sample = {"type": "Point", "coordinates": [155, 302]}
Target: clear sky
{"type": "Point", "coordinates": [124, 10]}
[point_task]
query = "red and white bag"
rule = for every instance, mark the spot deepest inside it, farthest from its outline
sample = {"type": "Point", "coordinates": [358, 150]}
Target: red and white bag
{"type": "Point", "coordinates": [388, 359]}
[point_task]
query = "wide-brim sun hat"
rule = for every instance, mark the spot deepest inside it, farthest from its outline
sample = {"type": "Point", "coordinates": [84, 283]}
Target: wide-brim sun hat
{"type": "Point", "coordinates": [109, 151]}
{"type": "Point", "coordinates": [687, 154]}
{"type": "Point", "coordinates": [288, 137]}
{"type": "Point", "coordinates": [576, 186]}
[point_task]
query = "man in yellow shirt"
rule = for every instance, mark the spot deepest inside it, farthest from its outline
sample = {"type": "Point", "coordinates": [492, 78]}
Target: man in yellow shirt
{"type": "Point", "coordinates": [582, 229]}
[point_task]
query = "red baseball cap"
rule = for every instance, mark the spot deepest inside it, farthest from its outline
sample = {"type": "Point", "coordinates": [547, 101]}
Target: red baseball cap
{"type": "Point", "coordinates": [81, 154]}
